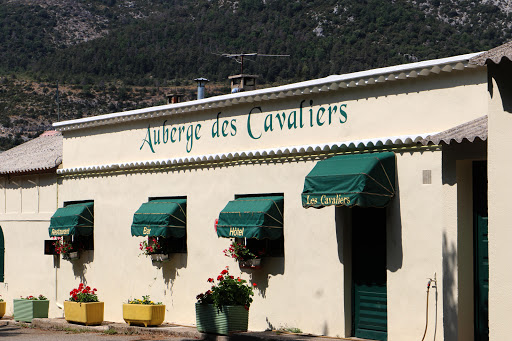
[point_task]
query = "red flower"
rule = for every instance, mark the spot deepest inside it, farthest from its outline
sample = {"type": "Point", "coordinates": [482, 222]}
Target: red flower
{"type": "Point", "coordinates": [210, 280]}
{"type": "Point", "coordinates": [219, 278]}
{"type": "Point", "coordinates": [254, 284]}
{"type": "Point", "coordinates": [238, 279]}
{"type": "Point", "coordinates": [223, 272]}
{"type": "Point", "coordinates": [231, 277]}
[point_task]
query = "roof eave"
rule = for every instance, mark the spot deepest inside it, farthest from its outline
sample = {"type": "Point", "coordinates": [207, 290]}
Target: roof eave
{"type": "Point", "coordinates": [331, 83]}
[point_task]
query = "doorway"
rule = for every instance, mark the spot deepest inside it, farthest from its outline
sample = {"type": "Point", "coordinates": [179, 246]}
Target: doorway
{"type": "Point", "coordinates": [369, 278]}
{"type": "Point", "coordinates": [481, 251]}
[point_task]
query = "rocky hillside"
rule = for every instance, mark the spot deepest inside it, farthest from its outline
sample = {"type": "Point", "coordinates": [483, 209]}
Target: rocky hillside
{"type": "Point", "coordinates": [113, 55]}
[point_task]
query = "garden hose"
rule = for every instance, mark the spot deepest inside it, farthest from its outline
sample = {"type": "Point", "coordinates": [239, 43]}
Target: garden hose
{"type": "Point", "coordinates": [426, 323]}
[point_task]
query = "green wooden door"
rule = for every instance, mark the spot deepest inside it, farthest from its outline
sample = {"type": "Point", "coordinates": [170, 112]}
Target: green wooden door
{"type": "Point", "coordinates": [369, 273]}
{"type": "Point", "coordinates": [481, 251]}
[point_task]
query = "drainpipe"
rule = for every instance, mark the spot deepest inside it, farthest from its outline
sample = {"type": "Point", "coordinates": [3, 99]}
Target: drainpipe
{"type": "Point", "coordinates": [201, 83]}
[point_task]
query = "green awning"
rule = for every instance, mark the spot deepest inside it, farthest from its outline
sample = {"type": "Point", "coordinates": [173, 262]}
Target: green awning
{"type": "Point", "coordinates": [365, 180]}
{"type": "Point", "coordinates": [74, 219]}
{"type": "Point", "coordinates": [252, 217]}
{"type": "Point", "coordinates": [161, 218]}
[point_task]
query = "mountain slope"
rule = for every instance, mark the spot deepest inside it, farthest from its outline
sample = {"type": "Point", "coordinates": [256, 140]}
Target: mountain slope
{"type": "Point", "coordinates": [112, 55]}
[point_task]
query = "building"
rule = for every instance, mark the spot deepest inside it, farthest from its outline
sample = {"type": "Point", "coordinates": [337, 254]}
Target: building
{"type": "Point", "coordinates": [405, 144]}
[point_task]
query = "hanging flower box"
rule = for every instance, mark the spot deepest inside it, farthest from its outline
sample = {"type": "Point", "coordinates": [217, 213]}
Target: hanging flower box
{"type": "Point", "coordinates": [251, 264]}
{"type": "Point", "coordinates": [70, 255]}
{"type": "Point", "coordinates": [26, 309]}
{"type": "Point", "coordinates": [159, 257]}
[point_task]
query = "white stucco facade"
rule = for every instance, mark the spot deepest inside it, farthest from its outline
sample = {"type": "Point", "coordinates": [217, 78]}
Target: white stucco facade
{"type": "Point", "coordinates": [266, 142]}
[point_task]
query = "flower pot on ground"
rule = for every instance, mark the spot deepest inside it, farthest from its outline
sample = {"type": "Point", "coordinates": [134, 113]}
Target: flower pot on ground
{"type": "Point", "coordinates": [221, 320]}
{"type": "Point", "coordinates": [224, 308]}
{"type": "Point", "coordinates": [90, 313]}
{"type": "Point", "coordinates": [30, 307]}
{"type": "Point", "coordinates": [83, 306]}
{"type": "Point", "coordinates": [2, 307]}
{"type": "Point", "coordinates": [143, 312]}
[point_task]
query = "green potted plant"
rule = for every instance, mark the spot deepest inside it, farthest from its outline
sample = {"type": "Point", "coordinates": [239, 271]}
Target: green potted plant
{"type": "Point", "coordinates": [225, 307]}
{"type": "Point", "coordinates": [65, 248]}
{"type": "Point", "coordinates": [154, 249]}
{"type": "Point", "coordinates": [83, 306]}
{"type": "Point", "coordinates": [143, 312]}
{"type": "Point", "coordinates": [30, 307]}
{"type": "Point", "coordinates": [242, 254]}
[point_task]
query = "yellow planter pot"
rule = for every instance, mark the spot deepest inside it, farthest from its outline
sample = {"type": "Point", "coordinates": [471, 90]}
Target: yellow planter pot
{"type": "Point", "coordinates": [144, 314]}
{"type": "Point", "coordinates": [90, 313]}
{"type": "Point", "coordinates": [2, 309]}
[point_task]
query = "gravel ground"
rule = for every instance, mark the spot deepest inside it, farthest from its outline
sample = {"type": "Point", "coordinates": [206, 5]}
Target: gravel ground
{"type": "Point", "coordinates": [11, 332]}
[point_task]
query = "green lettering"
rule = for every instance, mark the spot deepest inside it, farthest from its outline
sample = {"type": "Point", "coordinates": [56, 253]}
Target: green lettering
{"type": "Point", "coordinates": [190, 137]}
{"type": "Point", "coordinates": [165, 133]}
{"type": "Point", "coordinates": [294, 123]}
{"type": "Point", "coordinates": [300, 113]}
{"type": "Point", "coordinates": [180, 130]}
{"type": "Point", "coordinates": [343, 113]}
{"type": "Point", "coordinates": [281, 121]}
{"type": "Point", "coordinates": [268, 123]}
{"type": "Point", "coordinates": [311, 113]}
{"type": "Point", "coordinates": [319, 115]}
{"type": "Point", "coordinates": [224, 126]}
{"type": "Point", "coordinates": [233, 127]}
{"type": "Point", "coordinates": [332, 111]}
{"type": "Point", "coordinates": [147, 140]}
{"type": "Point", "coordinates": [249, 130]}
{"type": "Point", "coordinates": [173, 131]}
{"type": "Point", "coordinates": [198, 127]}
{"type": "Point", "coordinates": [156, 136]}
{"type": "Point", "coordinates": [215, 127]}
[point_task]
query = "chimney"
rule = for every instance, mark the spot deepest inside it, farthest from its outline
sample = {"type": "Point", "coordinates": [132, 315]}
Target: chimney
{"type": "Point", "coordinates": [174, 98]}
{"type": "Point", "coordinates": [243, 82]}
{"type": "Point", "coordinates": [201, 83]}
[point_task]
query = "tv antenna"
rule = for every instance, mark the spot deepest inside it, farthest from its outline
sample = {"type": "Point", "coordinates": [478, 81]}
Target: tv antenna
{"type": "Point", "coordinates": [239, 57]}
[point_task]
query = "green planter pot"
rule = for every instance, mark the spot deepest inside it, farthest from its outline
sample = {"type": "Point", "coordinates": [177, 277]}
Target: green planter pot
{"type": "Point", "coordinates": [223, 321]}
{"type": "Point", "coordinates": [26, 310]}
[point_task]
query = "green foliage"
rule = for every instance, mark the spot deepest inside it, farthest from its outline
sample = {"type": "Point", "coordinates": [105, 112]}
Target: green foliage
{"type": "Point", "coordinates": [100, 51]}
{"type": "Point", "coordinates": [83, 294]}
{"type": "Point", "coordinates": [34, 298]}
{"type": "Point", "coordinates": [228, 291]}
{"type": "Point", "coordinates": [239, 252]}
{"type": "Point", "coordinates": [145, 300]}
{"type": "Point", "coordinates": [322, 37]}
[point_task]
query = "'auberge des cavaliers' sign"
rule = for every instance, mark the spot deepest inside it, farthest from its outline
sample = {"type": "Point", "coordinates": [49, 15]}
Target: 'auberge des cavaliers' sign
{"type": "Point", "coordinates": [306, 116]}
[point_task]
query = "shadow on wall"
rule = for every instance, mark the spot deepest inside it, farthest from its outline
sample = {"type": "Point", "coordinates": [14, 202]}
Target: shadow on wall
{"type": "Point", "coordinates": [394, 232]}
{"type": "Point", "coordinates": [80, 265]}
{"type": "Point", "coordinates": [449, 289]}
{"type": "Point", "coordinates": [502, 74]}
{"type": "Point", "coordinates": [170, 269]}
{"type": "Point", "coordinates": [271, 266]}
